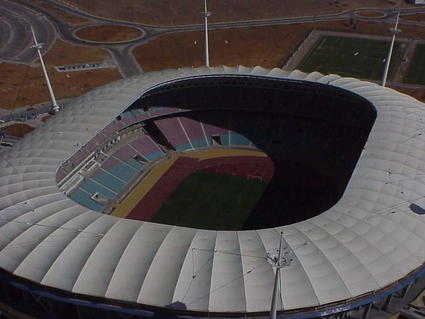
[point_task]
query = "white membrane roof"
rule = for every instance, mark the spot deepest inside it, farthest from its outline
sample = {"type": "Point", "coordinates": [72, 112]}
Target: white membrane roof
{"type": "Point", "coordinates": [368, 240]}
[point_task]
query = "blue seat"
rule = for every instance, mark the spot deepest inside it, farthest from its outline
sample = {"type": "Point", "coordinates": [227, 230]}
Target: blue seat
{"type": "Point", "coordinates": [154, 156]}
{"type": "Point", "coordinates": [225, 139]}
{"type": "Point", "coordinates": [199, 143]}
{"type": "Point", "coordinates": [238, 139]}
{"type": "Point", "coordinates": [136, 164]}
{"type": "Point", "coordinates": [92, 188]}
{"type": "Point", "coordinates": [122, 171]}
{"type": "Point", "coordinates": [110, 182]}
{"type": "Point", "coordinates": [183, 147]}
{"type": "Point", "coordinates": [84, 199]}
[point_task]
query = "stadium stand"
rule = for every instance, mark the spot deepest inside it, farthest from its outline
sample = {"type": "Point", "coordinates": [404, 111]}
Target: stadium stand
{"type": "Point", "coordinates": [346, 256]}
{"type": "Point", "coordinates": [174, 132]}
{"type": "Point", "coordinates": [138, 138]}
{"type": "Point", "coordinates": [195, 132]}
{"type": "Point", "coordinates": [124, 169]}
{"type": "Point", "coordinates": [85, 198]}
{"type": "Point", "coordinates": [110, 182]}
{"type": "Point", "coordinates": [147, 148]}
{"type": "Point", "coordinates": [215, 131]}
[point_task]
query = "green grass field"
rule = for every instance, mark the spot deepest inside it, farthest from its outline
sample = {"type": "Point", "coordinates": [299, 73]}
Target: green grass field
{"type": "Point", "coordinates": [360, 58]}
{"type": "Point", "coordinates": [211, 201]}
{"type": "Point", "coordinates": [416, 72]}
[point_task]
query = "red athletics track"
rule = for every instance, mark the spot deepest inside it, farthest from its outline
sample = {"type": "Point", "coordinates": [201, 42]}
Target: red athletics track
{"type": "Point", "coordinates": [244, 166]}
{"type": "Point", "coordinates": [164, 187]}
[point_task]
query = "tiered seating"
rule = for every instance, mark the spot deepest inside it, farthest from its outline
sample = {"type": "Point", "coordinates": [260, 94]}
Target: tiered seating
{"type": "Point", "coordinates": [146, 147]}
{"type": "Point", "coordinates": [84, 198]}
{"type": "Point", "coordinates": [118, 169]}
{"type": "Point", "coordinates": [238, 139]}
{"type": "Point", "coordinates": [194, 131]}
{"type": "Point", "coordinates": [211, 130]}
{"type": "Point", "coordinates": [126, 155]}
{"type": "Point", "coordinates": [173, 131]}
{"type": "Point", "coordinates": [92, 187]}
{"type": "Point", "coordinates": [108, 180]}
{"type": "Point", "coordinates": [125, 170]}
{"type": "Point", "coordinates": [184, 133]}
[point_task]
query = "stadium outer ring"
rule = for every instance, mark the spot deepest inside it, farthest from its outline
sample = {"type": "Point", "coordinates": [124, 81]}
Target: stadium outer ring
{"type": "Point", "coordinates": [368, 245]}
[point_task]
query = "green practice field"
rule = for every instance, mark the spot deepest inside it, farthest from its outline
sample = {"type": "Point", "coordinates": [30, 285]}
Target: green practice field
{"type": "Point", "coordinates": [211, 201]}
{"type": "Point", "coordinates": [356, 57]}
{"type": "Point", "coordinates": [416, 72]}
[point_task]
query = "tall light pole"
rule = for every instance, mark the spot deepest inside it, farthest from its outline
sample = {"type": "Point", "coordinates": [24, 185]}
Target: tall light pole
{"type": "Point", "coordinates": [388, 60]}
{"type": "Point", "coordinates": [278, 262]}
{"type": "Point", "coordinates": [38, 47]}
{"type": "Point", "coordinates": [206, 15]}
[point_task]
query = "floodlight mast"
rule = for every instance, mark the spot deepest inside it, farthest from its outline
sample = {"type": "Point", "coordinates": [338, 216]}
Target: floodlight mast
{"type": "Point", "coordinates": [206, 15]}
{"type": "Point", "coordinates": [38, 47]}
{"type": "Point", "coordinates": [388, 60]}
{"type": "Point", "coordinates": [275, 295]}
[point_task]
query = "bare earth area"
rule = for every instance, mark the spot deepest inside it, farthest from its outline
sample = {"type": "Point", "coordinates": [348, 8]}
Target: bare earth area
{"type": "Point", "coordinates": [18, 130]}
{"type": "Point", "coordinates": [420, 17]}
{"type": "Point", "coordinates": [22, 85]}
{"type": "Point", "coordinates": [417, 93]}
{"type": "Point", "coordinates": [171, 12]}
{"type": "Point", "coordinates": [269, 46]}
{"type": "Point", "coordinates": [108, 33]}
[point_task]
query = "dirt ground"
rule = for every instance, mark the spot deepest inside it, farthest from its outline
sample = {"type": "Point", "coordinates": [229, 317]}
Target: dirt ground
{"type": "Point", "coordinates": [70, 18]}
{"type": "Point", "coordinates": [420, 17]}
{"type": "Point", "coordinates": [418, 94]}
{"type": "Point", "coordinates": [172, 12]}
{"type": "Point", "coordinates": [18, 130]}
{"type": "Point", "coordinates": [22, 85]}
{"type": "Point", "coordinates": [108, 33]}
{"type": "Point", "coordinates": [269, 46]}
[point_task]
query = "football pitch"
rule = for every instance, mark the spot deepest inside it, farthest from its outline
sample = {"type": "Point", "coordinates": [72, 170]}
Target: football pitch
{"type": "Point", "coordinates": [211, 201]}
{"type": "Point", "coordinates": [356, 57]}
{"type": "Point", "coordinates": [416, 72]}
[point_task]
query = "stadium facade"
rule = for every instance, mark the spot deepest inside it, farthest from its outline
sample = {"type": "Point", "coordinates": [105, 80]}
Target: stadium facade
{"type": "Point", "coordinates": [367, 246]}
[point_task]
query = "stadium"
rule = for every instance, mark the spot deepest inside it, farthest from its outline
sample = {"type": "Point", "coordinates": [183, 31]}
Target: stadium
{"type": "Point", "coordinates": [330, 171]}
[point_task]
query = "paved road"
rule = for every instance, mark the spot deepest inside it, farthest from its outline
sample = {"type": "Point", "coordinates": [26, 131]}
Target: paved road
{"type": "Point", "coordinates": [125, 60]}
{"type": "Point", "coordinates": [16, 40]}
{"type": "Point", "coordinates": [16, 16]}
{"type": "Point", "coordinates": [121, 52]}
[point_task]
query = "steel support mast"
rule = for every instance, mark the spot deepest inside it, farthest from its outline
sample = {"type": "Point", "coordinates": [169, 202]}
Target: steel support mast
{"type": "Point", "coordinates": [276, 287]}
{"type": "Point", "coordinates": [390, 52]}
{"type": "Point", "coordinates": [38, 47]}
{"type": "Point", "coordinates": [206, 15]}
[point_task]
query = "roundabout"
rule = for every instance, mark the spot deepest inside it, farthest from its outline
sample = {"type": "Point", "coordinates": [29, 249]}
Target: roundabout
{"type": "Point", "coordinates": [109, 34]}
